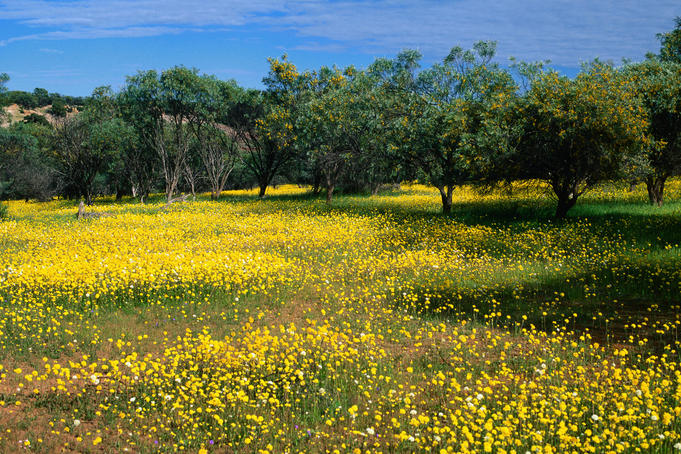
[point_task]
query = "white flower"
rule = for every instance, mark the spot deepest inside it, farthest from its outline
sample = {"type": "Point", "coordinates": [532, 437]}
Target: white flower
{"type": "Point", "coordinates": [595, 417]}
{"type": "Point", "coordinates": [370, 430]}
{"type": "Point", "coordinates": [132, 399]}
{"type": "Point", "coordinates": [677, 446]}
{"type": "Point", "coordinates": [654, 417]}
{"type": "Point", "coordinates": [76, 422]}
{"type": "Point", "coordinates": [94, 379]}
{"type": "Point", "coordinates": [413, 412]}
{"type": "Point", "coordinates": [479, 396]}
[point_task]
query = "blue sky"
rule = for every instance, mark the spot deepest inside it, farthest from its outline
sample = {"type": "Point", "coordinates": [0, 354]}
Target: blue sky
{"type": "Point", "coordinates": [73, 46]}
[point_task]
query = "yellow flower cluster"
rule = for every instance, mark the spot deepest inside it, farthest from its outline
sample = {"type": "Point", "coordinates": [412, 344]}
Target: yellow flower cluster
{"type": "Point", "coordinates": [285, 325]}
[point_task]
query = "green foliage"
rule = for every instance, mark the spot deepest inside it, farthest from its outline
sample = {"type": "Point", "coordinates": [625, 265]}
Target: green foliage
{"type": "Point", "coordinates": [577, 132]}
{"type": "Point", "coordinates": [658, 84]}
{"type": "Point", "coordinates": [4, 78]}
{"type": "Point", "coordinates": [264, 123]}
{"type": "Point", "coordinates": [58, 108]}
{"type": "Point", "coordinates": [83, 148]}
{"type": "Point", "coordinates": [462, 120]}
{"type": "Point", "coordinates": [4, 212]}
{"type": "Point", "coordinates": [440, 111]}
{"type": "Point", "coordinates": [42, 97]}
{"type": "Point", "coordinates": [23, 99]}
{"type": "Point", "coordinates": [24, 170]}
{"type": "Point", "coordinates": [37, 119]}
{"type": "Point", "coordinates": [670, 49]}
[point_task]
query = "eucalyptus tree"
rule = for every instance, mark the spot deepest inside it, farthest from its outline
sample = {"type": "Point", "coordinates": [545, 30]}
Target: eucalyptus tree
{"type": "Point", "coordinates": [83, 149]}
{"type": "Point", "coordinates": [342, 125]}
{"type": "Point", "coordinates": [658, 84]}
{"type": "Point", "coordinates": [670, 50]}
{"type": "Point", "coordinates": [161, 107]}
{"type": "Point", "coordinates": [25, 170]}
{"type": "Point", "coordinates": [217, 143]}
{"type": "Point", "coordinates": [264, 122]}
{"type": "Point", "coordinates": [102, 108]}
{"type": "Point", "coordinates": [439, 111]}
{"type": "Point", "coordinates": [577, 132]}
{"type": "Point", "coordinates": [4, 78]}
{"type": "Point", "coordinates": [323, 119]}
{"type": "Point", "coordinates": [140, 157]}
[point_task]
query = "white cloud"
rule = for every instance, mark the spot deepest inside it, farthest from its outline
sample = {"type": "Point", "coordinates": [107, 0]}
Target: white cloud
{"type": "Point", "coordinates": [46, 50]}
{"type": "Point", "coordinates": [90, 33]}
{"type": "Point", "coordinates": [563, 31]}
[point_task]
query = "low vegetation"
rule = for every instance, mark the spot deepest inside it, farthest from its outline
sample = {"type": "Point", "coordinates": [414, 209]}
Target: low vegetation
{"type": "Point", "coordinates": [373, 325]}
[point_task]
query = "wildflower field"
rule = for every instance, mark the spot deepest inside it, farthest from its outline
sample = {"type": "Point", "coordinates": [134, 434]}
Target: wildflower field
{"type": "Point", "coordinates": [372, 325]}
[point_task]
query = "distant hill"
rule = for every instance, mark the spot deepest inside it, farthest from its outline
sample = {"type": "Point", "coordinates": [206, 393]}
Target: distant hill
{"type": "Point", "coordinates": [15, 113]}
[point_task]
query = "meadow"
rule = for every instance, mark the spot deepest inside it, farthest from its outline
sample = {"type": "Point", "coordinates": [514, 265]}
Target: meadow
{"type": "Point", "coordinates": [375, 324]}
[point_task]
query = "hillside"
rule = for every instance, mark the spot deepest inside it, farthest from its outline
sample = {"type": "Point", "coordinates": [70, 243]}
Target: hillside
{"type": "Point", "coordinates": [15, 113]}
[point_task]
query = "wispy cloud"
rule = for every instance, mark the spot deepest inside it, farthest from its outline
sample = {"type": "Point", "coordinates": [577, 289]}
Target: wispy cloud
{"type": "Point", "coordinates": [562, 30]}
{"type": "Point", "coordinates": [46, 50]}
{"type": "Point", "coordinates": [90, 33]}
{"type": "Point", "coordinates": [319, 47]}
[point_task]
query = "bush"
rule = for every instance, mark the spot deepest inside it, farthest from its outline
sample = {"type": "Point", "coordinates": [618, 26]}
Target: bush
{"type": "Point", "coordinates": [4, 212]}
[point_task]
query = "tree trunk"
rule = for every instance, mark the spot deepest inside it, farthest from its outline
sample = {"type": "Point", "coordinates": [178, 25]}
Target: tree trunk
{"type": "Point", "coordinates": [446, 195]}
{"type": "Point", "coordinates": [565, 202]}
{"type": "Point", "coordinates": [655, 186]}
{"type": "Point", "coordinates": [87, 195]}
{"type": "Point", "coordinates": [263, 188]}
{"type": "Point", "coordinates": [329, 193]}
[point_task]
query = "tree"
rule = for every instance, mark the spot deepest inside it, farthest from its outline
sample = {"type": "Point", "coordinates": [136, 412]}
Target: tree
{"type": "Point", "coordinates": [257, 125]}
{"type": "Point", "coordinates": [160, 108]}
{"type": "Point", "coordinates": [83, 149]}
{"type": "Point", "coordinates": [58, 108]}
{"type": "Point", "coordinates": [140, 108]}
{"type": "Point", "coordinates": [264, 122]}
{"type": "Point", "coordinates": [440, 111]}
{"type": "Point", "coordinates": [23, 99]}
{"type": "Point", "coordinates": [4, 78]}
{"type": "Point", "coordinates": [576, 133]}
{"type": "Point", "coordinates": [37, 119]}
{"type": "Point", "coordinates": [658, 84]}
{"type": "Point", "coordinates": [343, 128]}
{"type": "Point", "coordinates": [670, 49]}
{"type": "Point", "coordinates": [322, 119]}
{"type": "Point", "coordinates": [215, 144]}
{"type": "Point", "coordinates": [25, 170]}
{"type": "Point", "coordinates": [42, 97]}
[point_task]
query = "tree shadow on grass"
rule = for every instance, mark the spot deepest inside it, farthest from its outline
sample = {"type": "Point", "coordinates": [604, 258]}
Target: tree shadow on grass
{"type": "Point", "coordinates": [612, 302]}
